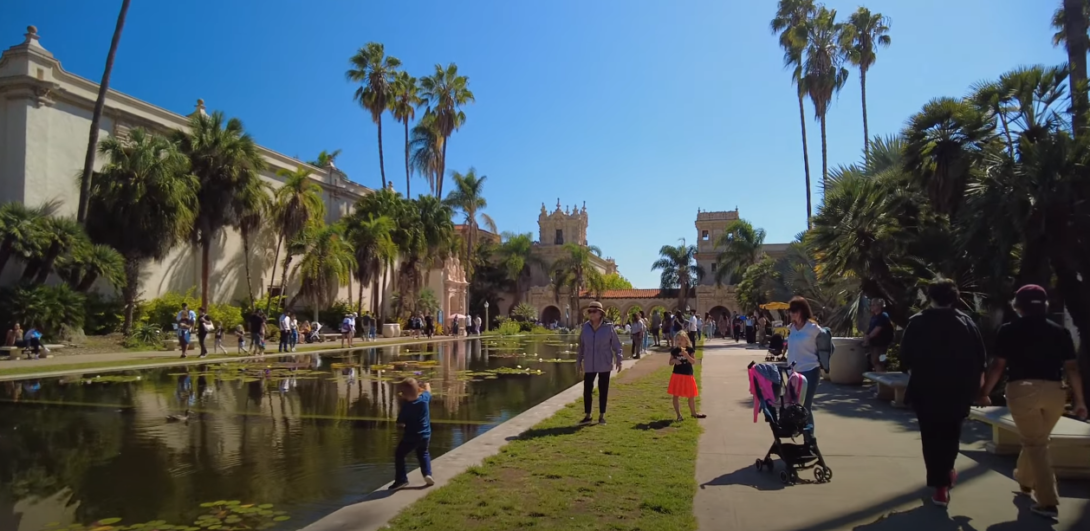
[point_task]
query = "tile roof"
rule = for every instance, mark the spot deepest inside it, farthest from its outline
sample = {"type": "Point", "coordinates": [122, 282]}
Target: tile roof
{"type": "Point", "coordinates": [634, 294]}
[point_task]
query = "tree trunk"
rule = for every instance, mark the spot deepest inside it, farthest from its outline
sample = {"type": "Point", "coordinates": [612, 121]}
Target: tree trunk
{"type": "Point", "coordinates": [5, 251]}
{"type": "Point", "coordinates": [246, 263]}
{"type": "Point", "coordinates": [1007, 133]}
{"type": "Point", "coordinates": [866, 132]}
{"type": "Point", "coordinates": [385, 273]}
{"type": "Point", "coordinates": [132, 284]}
{"type": "Point", "coordinates": [30, 270]}
{"type": "Point", "coordinates": [824, 156]}
{"type": "Point", "coordinates": [805, 160]}
{"type": "Point", "coordinates": [86, 282]}
{"type": "Point", "coordinates": [47, 264]}
{"type": "Point", "coordinates": [1075, 29]}
{"type": "Point", "coordinates": [206, 250]}
{"type": "Point", "coordinates": [359, 303]}
{"type": "Point", "coordinates": [407, 171]}
{"type": "Point", "coordinates": [96, 116]}
{"type": "Point", "coordinates": [284, 279]}
{"type": "Point", "coordinates": [276, 257]}
{"type": "Point", "coordinates": [381, 163]}
{"type": "Point", "coordinates": [442, 171]}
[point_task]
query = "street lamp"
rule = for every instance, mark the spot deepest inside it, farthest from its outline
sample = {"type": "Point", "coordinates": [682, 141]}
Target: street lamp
{"type": "Point", "coordinates": [485, 317]}
{"type": "Point", "coordinates": [567, 314]}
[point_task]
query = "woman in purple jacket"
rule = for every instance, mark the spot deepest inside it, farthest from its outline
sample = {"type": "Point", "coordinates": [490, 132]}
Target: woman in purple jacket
{"type": "Point", "coordinates": [599, 350]}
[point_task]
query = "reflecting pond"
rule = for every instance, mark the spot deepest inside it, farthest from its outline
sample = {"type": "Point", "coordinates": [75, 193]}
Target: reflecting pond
{"type": "Point", "coordinates": [305, 433]}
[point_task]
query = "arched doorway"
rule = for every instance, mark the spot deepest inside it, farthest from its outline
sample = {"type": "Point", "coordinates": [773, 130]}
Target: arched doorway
{"type": "Point", "coordinates": [634, 309]}
{"type": "Point", "coordinates": [550, 315]}
{"type": "Point", "coordinates": [722, 318]}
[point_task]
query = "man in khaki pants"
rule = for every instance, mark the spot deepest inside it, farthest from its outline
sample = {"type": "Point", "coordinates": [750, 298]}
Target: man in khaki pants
{"type": "Point", "coordinates": [1036, 352]}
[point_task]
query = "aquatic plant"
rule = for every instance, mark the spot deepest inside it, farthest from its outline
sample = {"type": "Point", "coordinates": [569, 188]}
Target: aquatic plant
{"type": "Point", "coordinates": [220, 515]}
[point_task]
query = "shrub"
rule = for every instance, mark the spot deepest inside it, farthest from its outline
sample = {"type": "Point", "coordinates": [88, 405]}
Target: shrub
{"type": "Point", "coordinates": [537, 329]}
{"type": "Point", "coordinates": [332, 315]}
{"type": "Point", "coordinates": [524, 312]}
{"type": "Point", "coordinates": [48, 307]}
{"type": "Point", "coordinates": [509, 328]}
{"type": "Point", "coordinates": [163, 310]}
{"type": "Point", "coordinates": [102, 315]}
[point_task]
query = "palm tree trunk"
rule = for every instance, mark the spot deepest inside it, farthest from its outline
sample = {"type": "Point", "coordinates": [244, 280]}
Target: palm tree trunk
{"type": "Point", "coordinates": [407, 170]}
{"type": "Point", "coordinates": [824, 155]}
{"type": "Point", "coordinates": [132, 284]}
{"type": "Point", "coordinates": [96, 116]}
{"type": "Point", "coordinates": [276, 257]}
{"type": "Point", "coordinates": [442, 171]}
{"type": "Point", "coordinates": [1007, 133]}
{"type": "Point", "coordinates": [1075, 29]}
{"type": "Point", "coordinates": [805, 159]}
{"type": "Point", "coordinates": [47, 264]}
{"type": "Point", "coordinates": [359, 303]}
{"type": "Point", "coordinates": [284, 279]}
{"type": "Point", "coordinates": [86, 282]}
{"type": "Point", "coordinates": [206, 250]}
{"type": "Point", "coordinates": [385, 282]}
{"type": "Point", "coordinates": [5, 251]}
{"type": "Point", "coordinates": [866, 132]}
{"type": "Point", "coordinates": [246, 264]}
{"type": "Point", "coordinates": [381, 163]}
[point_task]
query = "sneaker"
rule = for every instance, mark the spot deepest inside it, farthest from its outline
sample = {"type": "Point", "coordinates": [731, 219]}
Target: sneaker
{"type": "Point", "coordinates": [953, 478]}
{"type": "Point", "coordinates": [601, 419]}
{"type": "Point", "coordinates": [429, 480]}
{"type": "Point", "coordinates": [941, 497]}
{"type": "Point", "coordinates": [398, 485]}
{"type": "Point", "coordinates": [1025, 491]}
{"type": "Point", "coordinates": [586, 420]}
{"type": "Point", "coordinates": [1048, 511]}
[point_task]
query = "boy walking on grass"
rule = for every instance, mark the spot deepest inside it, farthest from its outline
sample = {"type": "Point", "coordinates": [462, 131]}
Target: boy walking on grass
{"type": "Point", "coordinates": [415, 419]}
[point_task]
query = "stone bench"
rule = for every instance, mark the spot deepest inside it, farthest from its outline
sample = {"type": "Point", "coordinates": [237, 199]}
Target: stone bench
{"type": "Point", "coordinates": [891, 386]}
{"type": "Point", "coordinates": [15, 353]}
{"type": "Point", "coordinates": [1069, 448]}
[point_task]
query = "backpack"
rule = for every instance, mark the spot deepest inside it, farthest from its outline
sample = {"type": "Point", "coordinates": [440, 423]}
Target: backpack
{"type": "Point", "coordinates": [825, 348]}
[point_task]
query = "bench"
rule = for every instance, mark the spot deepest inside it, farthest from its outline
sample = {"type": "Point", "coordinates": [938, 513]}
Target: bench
{"type": "Point", "coordinates": [16, 353]}
{"type": "Point", "coordinates": [891, 386]}
{"type": "Point", "coordinates": [1069, 448]}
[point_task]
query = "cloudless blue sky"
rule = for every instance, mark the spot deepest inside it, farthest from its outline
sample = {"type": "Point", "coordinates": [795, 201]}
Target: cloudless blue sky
{"type": "Point", "coordinates": [646, 110]}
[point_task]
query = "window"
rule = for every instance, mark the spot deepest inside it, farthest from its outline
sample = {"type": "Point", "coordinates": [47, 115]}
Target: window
{"type": "Point", "coordinates": [713, 266]}
{"type": "Point", "coordinates": [704, 235]}
{"type": "Point", "coordinates": [559, 236]}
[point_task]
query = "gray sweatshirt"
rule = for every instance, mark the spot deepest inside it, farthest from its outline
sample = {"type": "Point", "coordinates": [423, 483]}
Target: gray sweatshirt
{"type": "Point", "coordinates": [599, 350]}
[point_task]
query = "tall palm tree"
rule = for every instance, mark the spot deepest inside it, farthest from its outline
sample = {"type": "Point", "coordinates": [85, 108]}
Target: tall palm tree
{"type": "Point", "coordinates": [437, 226]}
{"type": "Point", "coordinates": [679, 269]}
{"type": "Point", "coordinates": [823, 70]}
{"type": "Point", "coordinates": [392, 205]}
{"type": "Point", "coordinates": [468, 196]}
{"type": "Point", "coordinates": [327, 264]}
{"type": "Point", "coordinates": [253, 207]}
{"type": "Point", "coordinates": [426, 145]}
{"type": "Point", "coordinates": [370, 238]}
{"type": "Point", "coordinates": [445, 93]}
{"type": "Point", "coordinates": [573, 270]}
{"type": "Point", "coordinates": [942, 143]}
{"type": "Point", "coordinates": [146, 187]}
{"type": "Point", "coordinates": [374, 71]}
{"type": "Point", "coordinates": [96, 116]}
{"type": "Point", "coordinates": [740, 247]}
{"type": "Point", "coordinates": [517, 256]}
{"type": "Point", "coordinates": [1076, 19]}
{"type": "Point", "coordinates": [298, 205]}
{"type": "Point", "coordinates": [862, 36]}
{"type": "Point", "coordinates": [790, 22]}
{"type": "Point", "coordinates": [405, 98]}
{"type": "Point", "coordinates": [225, 159]}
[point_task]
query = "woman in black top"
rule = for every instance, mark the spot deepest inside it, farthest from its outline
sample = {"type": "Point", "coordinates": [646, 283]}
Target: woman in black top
{"type": "Point", "coordinates": [682, 381]}
{"type": "Point", "coordinates": [1035, 353]}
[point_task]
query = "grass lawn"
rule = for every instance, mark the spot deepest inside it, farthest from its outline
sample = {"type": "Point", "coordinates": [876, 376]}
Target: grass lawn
{"type": "Point", "coordinates": [636, 472]}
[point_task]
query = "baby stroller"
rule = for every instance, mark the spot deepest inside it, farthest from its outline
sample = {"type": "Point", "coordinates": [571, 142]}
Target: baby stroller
{"type": "Point", "coordinates": [769, 381]}
{"type": "Point", "coordinates": [775, 348]}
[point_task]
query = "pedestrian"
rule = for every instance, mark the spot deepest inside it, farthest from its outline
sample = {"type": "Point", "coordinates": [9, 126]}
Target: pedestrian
{"type": "Point", "coordinates": [240, 334]}
{"type": "Point", "coordinates": [414, 419]}
{"type": "Point", "coordinates": [477, 325]}
{"type": "Point", "coordinates": [15, 335]}
{"type": "Point", "coordinates": [204, 326]}
{"type": "Point", "coordinates": [708, 325]}
{"type": "Point", "coordinates": [738, 328]}
{"type": "Point", "coordinates": [365, 324]}
{"type": "Point", "coordinates": [374, 327]}
{"type": "Point", "coordinates": [656, 326]}
{"type": "Point", "coordinates": [598, 351]}
{"type": "Point", "coordinates": [1035, 352]}
{"type": "Point", "coordinates": [646, 343]}
{"type": "Point", "coordinates": [694, 326]}
{"type": "Point", "coordinates": [636, 335]}
{"type": "Point", "coordinates": [184, 335]}
{"type": "Point", "coordinates": [429, 325]}
{"type": "Point", "coordinates": [762, 330]}
{"type": "Point", "coordinates": [943, 353]}
{"type": "Point", "coordinates": [257, 332]}
{"type": "Point", "coordinates": [32, 341]}
{"type": "Point", "coordinates": [751, 330]}
{"type": "Point", "coordinates": [668, 328]}
{"type": "Point", "coordinates": [294, 330]}
{"type": "Point", "coordinates": [802, 348]}
{"type": "Point", "coordinates": [348, 329]}
{"type": "Point", "coordinates": [879, 335]}
{"type": "Point", "coordinates": [219, 339]}
{"type": "Point", "coordinates": [284, 324]}
{"type": "Point", "coordinates": [186, 313]}
{"type": "Point", "coordinates": [682, 381]}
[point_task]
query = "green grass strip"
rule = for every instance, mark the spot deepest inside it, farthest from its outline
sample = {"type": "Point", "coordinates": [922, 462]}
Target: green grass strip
{"type": "Point", "coordinates": [636, 472]}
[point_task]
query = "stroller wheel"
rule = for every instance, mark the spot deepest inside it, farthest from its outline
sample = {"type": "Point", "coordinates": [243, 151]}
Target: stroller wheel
{"type": "Point", "coordinates": [785, 478]}
{"type": "Point", "coordinates": [828, 474]}
{"type": "Point", "coordinates": [819, 474]}
{"type": "Point", "coordinates": [759, 464]}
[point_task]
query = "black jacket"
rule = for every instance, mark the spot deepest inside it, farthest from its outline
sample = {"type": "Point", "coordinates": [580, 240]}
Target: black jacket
{"type": "Point", "coordinates": [944, 352]}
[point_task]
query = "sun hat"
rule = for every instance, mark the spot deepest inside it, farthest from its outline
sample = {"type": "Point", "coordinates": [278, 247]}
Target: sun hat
{"type": "Point", "coordinates": [1029, 295]}
{"type": "Point", "coordinates": [595, 305]}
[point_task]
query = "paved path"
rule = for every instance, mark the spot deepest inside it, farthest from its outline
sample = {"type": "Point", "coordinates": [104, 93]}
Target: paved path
{"type": "Point", "coordinates": [874, 451]}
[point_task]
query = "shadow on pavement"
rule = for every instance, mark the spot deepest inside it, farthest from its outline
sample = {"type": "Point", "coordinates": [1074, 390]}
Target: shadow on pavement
{"type": "Point", "coordinates": [654, 425]}
{"type": "Point", "coordinates": [748, 477]}
{"type": "Point", "coordinates": [927, 517]}
{"type": "Point", "coordinates": [1026, 521]}
{"type": "Point", "coordinates": [1004, 464]}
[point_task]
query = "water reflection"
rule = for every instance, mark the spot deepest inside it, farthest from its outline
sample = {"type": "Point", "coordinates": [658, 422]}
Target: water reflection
{"type": "Point", "coordinates": [306, 433]}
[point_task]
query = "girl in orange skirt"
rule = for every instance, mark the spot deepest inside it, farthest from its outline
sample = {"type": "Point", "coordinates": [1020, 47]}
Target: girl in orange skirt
{"type": "Point", "coordinates": [682, 382]}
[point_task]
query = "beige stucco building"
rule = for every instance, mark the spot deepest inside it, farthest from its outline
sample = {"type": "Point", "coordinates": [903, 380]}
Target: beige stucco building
{"type": "Point", "coordinates": [45, 117]}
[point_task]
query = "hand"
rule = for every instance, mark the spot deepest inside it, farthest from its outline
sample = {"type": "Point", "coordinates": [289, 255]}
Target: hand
{"type": "Point", "coordinates": [1080, 411]}
{"type": "Point", "coordinates": [579, 367]}
{"type": "Point", "coordinates": [983, 400]}
{"type": "Point", "coordinates": [619, 365]}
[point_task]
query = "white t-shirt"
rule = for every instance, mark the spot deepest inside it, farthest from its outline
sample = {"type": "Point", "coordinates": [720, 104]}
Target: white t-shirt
{"type": "Point", "coordinates": [285, 322]}
{"type": "Point", "coordinates": [802, 346]}
{"type": "Point", "coordinates": [694, 324]}
{"type": "Point", "coordinates": [637, 326]}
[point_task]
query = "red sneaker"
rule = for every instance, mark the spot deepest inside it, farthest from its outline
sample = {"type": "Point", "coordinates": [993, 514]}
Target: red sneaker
{"type": "Point", "coordinates": [941, 497]}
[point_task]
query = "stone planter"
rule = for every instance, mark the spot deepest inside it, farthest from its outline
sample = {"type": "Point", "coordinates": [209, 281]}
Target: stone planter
{"type": "Point", "coordinates": [391, 330]}
{"type": "Point", "coordinates": [849, 361]}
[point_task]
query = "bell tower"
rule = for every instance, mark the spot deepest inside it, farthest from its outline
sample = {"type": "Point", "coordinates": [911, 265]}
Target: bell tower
{"type": "Point", "coordinates": [709, 228]}
{"type": "Point", "coordinates": [563, 225]}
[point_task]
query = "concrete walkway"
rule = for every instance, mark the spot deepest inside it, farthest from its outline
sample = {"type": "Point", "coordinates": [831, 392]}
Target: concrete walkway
{"type": "Point", "coordinates": [874, 452]}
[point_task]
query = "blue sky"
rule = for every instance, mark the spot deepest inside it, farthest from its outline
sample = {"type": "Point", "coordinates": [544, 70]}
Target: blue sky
{"type": "Point", "coordinates": [647, 110]}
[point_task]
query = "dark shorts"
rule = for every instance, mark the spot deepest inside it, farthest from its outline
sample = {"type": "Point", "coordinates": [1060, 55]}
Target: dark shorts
{"type": "Point", "coordinates": [255, 339]}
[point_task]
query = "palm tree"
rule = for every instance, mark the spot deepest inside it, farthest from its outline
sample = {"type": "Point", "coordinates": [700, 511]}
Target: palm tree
{"type": "Point", "coordinates": [823, 71]}
{"type": "Point", "coordinates": [426, 145]}
{"type": "Point", "coordinates": [374, 71]}
{"type": "Point", "coordinates": [445, 92]}
{"type": "Point", "coordinates": [96, 116]}
{"type": "Point", "coordinates": [61, 234]}
{"type": "Point", "coordinates": [404, 100]}
{"type": "Point", "coordinates": [146, 187]}
{"type": "Point", "coordinates": [942, 142]}
{"type": "Point", "coordinates": [253, 206]}
{"type": "Point", "coordinates": [326, 160]}
{"type": "Point", "coordinates": [370, 237]}
{"type": "Point", "coordinates": [298, 206]}
{"type": "Point", "coordinates": [573, 270]}
{"type": "Point", "coordinates": [518, 258]}
{"type": "Point", "coordinates": [468, 196]}
{"type": "Point", "coordinates": [1076, 18]}
{"type": "Point", "coordinates": [225, 160]}
{"type": "Point", "coordinates": [23, 229]}
{"type": "Point", "coordinates": [392, 205]}
{"type": "Point", "coordinates": [679, 269]}
{"type": "Point", "coordinates": [790, 22]}
{"type": "Point", "coordinates": [740, 247]}
{"type": "Point", "coordinates": [87, 263]}
{"type": "Point", "coordinates": [326, 265]}
{"type": "Point", "coordinates": [437, 225]}
{"type": "Point", "coordinates": [862, 35]}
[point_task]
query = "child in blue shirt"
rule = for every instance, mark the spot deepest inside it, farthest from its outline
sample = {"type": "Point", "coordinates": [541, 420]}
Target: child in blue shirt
{"type": "Point", "coordinates": [415, 419]}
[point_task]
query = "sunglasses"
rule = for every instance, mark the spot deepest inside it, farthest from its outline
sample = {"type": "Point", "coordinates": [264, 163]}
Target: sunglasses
{"type": "Point", "coordinates": [593, 310]}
